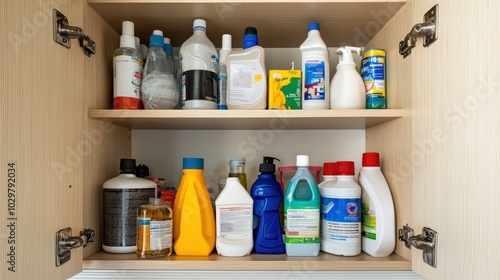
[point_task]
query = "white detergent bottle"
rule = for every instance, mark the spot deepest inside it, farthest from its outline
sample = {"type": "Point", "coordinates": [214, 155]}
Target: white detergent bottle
{"type": "Point", "coordinates": [379, 226]}
{"type": "Point", "coordinates": [341, 213]}
{"type": "Point", "coordinates": [246, 74]}
{"type": "Point", "coordinates": [234, 217]}
{"type": "Point", "coordinates": [347, 88]}
{"type": "Point", "coordinates": [315, 71]}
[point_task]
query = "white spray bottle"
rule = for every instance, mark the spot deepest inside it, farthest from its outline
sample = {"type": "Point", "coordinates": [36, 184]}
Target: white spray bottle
{"type": "Point", "coordinates": [347, 89]}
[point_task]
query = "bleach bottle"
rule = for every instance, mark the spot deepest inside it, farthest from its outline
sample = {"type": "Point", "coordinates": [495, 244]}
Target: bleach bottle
{"type": "Point", "coordinates": [267, 196]}
{"type": "Point", "coordinates": [200, 63]}
{"type": "Point", "coordinates": [302, 212]}
{"type": "Point", "coordinates": [379, 226]}
{"type": "Point", "coordinates": [316, 71]}
{"type": "Point", "coordinates": [347, 88]}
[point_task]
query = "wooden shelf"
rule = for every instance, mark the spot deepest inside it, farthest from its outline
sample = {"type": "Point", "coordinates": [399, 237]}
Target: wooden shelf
{"type": "Point", "coordinates": [280, 23]}
{"type": "Point", "coordinates": [324, 261]}
{"type": "Point", "coordinates": [246, 119]}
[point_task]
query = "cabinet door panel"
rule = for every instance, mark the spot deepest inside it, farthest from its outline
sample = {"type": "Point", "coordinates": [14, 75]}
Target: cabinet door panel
{"type": "Point", "coordinates": [41, 121]}
{"type": "Point", "coordinates": [456, 131]}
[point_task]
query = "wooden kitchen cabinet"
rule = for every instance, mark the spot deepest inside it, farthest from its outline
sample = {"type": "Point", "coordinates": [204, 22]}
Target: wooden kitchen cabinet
{"type": "Point", "coordinates": [438, 141]}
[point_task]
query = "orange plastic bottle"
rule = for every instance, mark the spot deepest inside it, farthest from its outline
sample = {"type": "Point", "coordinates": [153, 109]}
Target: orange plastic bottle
{"type": "Point", "coordinates": [194, 223]}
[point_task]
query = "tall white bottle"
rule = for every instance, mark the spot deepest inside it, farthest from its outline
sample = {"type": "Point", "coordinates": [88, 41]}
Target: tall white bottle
{"type": "Point", "coordinates": [347, 88]}
{"type": "Point", "coordinates": [234, 217]}
{"type": "Point", "coordinates": [341, 213]}
{"type": "Point", "coordinates": [199, 61]}
{"type": "Point", "coordinates": [315, 71]}
{"type": "Point", "coordinates": [379, 226]}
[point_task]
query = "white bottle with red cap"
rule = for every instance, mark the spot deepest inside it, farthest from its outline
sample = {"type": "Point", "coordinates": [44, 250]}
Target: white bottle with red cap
{"type": "Point", "coordinates": [341, 212]}
{"type": "Point", "coordinates": [379, 226]}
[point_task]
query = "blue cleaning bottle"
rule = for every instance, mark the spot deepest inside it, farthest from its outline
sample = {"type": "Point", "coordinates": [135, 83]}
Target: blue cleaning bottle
{"type": "Point", "coordinates": [267, 195]}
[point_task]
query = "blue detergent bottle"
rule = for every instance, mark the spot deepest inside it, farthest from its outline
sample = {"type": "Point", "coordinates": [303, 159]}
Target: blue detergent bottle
{"type": "Point", "coordinates": [267, 195]}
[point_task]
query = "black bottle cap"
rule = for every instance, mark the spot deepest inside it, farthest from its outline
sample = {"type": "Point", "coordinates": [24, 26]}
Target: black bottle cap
{"type": "Point", "coordinates": [268, 164]}
{"type": "Point", "coordinates": [127, 166]}
{"type": "Point", "coordinates": [250, 30]}
{"type": "Point", "coordinates": [142, 171]}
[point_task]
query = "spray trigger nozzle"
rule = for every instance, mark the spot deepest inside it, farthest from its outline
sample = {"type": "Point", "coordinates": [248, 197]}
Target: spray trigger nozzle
{"type": "Point", "coordinates": [346, 54]}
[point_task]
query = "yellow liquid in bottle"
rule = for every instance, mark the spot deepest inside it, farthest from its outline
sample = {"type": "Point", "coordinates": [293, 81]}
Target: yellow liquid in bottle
{"type": "Point", "coordinates": [154, 230]}
{"type": "Point", "coordinates": [242, 177]}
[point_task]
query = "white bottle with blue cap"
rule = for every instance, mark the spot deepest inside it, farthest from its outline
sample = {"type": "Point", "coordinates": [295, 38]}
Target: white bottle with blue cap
{"type": "Point", "coordinates": [315, 71]}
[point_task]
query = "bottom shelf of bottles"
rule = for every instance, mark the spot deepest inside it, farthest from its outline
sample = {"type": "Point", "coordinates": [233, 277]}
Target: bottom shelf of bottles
{"type": "Point", "coordinates": [254, 262]}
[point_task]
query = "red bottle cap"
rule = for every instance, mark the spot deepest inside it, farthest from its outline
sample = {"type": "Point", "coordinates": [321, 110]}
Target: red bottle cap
{"type": "Point", "coordinates": [371, 160]}
{"type": "Point", "coordinates": [345, 168]}
{"type": "Point", "coordinates": [330, 169]}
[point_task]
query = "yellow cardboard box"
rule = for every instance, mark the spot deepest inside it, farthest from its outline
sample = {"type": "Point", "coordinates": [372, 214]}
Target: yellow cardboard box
{"type": "Point", "coordinates": [284, 90]}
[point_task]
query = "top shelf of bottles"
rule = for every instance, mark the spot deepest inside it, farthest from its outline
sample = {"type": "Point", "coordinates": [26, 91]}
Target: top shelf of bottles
{"type": "Point", "coordinates": [280, 23]}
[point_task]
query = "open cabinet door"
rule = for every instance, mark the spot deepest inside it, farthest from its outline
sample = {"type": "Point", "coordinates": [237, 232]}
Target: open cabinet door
{"type": "Point", "coordinates": [41, 139]}
{"type": "Point", "coordinates": [455, 155]}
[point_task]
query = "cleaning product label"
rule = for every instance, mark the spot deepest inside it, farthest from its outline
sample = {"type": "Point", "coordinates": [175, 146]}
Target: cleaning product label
{"type": "Point", "coordinates": [369, 218]}
{"type": "Point", "coordinates": [119, 212]}
{"type": "Point", "coordinates": [373, 72]}
{"type": "Point", "coordinates": [246, 82]}
{"type": "Point", "coordinates": [236, 221]}
{"type": "Point", "coordinates": [341, 219]}
{"type": "Point", "coordinates": [143, 233]}
{"type": "Point", "coordinates": [302, 226]}
{"type": "Point", "coordinates": [127, 79]}
{"type": "Point", "coordinates": [314, 80]}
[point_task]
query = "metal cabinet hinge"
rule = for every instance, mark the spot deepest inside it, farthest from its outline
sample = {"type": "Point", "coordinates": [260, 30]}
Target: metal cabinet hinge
{"type": "Point", "coordinates": [427, 241]}
{"type": "Point", "coordinates": [427, 29]}
{"type": "Point", "coordinates": [65, 242]}
{"type": "Point", "coordinates": [63, 33]}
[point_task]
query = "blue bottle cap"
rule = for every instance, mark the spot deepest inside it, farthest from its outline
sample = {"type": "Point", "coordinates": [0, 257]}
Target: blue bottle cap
{"type": "Point", "coordinates": [156, 40]}
{"type": "Point", "coordinates": [192, 163]}
{"type": "Point", "coordinates": [169, 50]}
{"type": "Point", "coordinates": [313, 26]}
{"type": "Point", "coordinates": [250, 38]}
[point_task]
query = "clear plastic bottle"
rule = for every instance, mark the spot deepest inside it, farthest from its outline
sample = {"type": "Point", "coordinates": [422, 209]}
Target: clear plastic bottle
{"type": "Point", "coordinates": [302, 212]}
{"type": "Point", "coordinates": [199, 62]}
{"type": "Point", "coordinates": [379, 225]}
{"type": "Point", "coordinates": [127, 71]}
{"type": "Point", "coordinates": [223, 53]}
{"type": "Point", "coordinates": [154, 229]}
{"type": "Point", "coordinates": [341, 213]}
{"type": "Point", "coordinates": [169, 51]}
{"type": "Point", "coordinates": [194, 224]}
{"type": "Point", "coordinates": [237, 169]}
{"type": "Point", "coordinates": [122, 195]}
{"type": "Point", "coordinates": [234, 208]}
{"type": "Point", "coordinates": [315, 71]}
{"type": "Point", "coordinates": [159, 87]}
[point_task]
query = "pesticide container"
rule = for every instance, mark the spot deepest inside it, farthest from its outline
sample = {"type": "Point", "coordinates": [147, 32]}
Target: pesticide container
{"type": "Point", "coordinates": [379, 226]}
